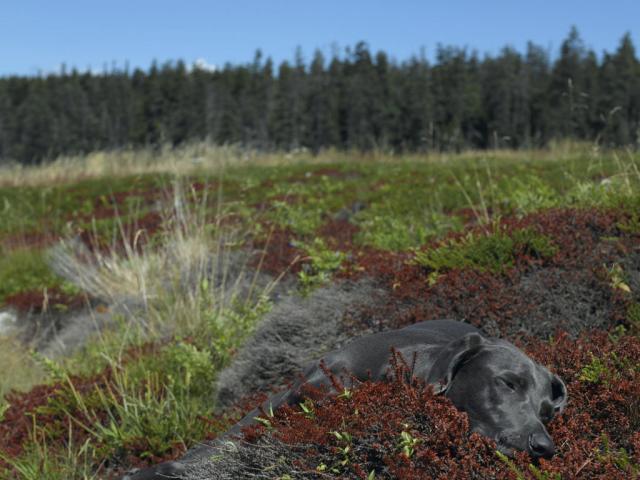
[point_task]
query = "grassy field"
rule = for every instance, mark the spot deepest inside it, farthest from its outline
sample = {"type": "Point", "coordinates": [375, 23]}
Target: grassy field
{"type": "Point", "coordinates": [133, 279]}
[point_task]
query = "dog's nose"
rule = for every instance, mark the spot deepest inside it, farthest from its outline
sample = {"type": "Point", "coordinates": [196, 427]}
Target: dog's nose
{"type": "Point", "coordinates": [541, 445]}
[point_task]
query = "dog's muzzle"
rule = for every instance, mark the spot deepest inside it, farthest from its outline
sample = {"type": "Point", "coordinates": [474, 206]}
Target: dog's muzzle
{"type": "Point", "coordinates": [541, 445]}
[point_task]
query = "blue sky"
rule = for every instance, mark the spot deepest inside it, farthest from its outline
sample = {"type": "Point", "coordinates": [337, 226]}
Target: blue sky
{"type": "Point", "coordinates": [41, 35]}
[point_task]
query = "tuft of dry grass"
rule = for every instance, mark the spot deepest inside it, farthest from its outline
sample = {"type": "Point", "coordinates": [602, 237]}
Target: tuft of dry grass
{"type": "Point", "coordinates": [188, 274]}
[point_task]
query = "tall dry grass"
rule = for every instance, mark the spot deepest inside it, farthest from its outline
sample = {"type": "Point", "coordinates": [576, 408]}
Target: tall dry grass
{"type": "Point", "coordinates": [200, 157]}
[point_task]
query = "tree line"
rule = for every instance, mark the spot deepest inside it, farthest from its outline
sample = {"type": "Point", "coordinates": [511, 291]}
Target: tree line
{"type": "Point", "coordinates": [355, 99]}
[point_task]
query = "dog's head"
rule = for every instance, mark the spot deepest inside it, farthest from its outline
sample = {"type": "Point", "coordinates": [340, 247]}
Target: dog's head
{"type": "Point", "coordinates": [508, 397]}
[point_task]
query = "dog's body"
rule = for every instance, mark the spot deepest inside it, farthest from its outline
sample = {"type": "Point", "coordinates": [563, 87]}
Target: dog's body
{"type": "Point", "coordinates": [507, 396]}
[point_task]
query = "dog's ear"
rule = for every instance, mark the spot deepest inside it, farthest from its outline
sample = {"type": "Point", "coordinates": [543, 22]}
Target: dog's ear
{"type": "Point", "coordinates": [452, 357]}
{"type": "Point", "coordinates": [558, 393]}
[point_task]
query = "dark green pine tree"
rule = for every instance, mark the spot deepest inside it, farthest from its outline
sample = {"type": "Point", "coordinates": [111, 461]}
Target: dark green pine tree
{"type": "Point", "coordinates": [286, 122]}
{"type": "Point", "coordinates": [153, 107]}
{"type": "Point", "coordinates": [281, 129]}
{"type": "Point", "coordinates": [620, 97]}
{"type": "Point", "coordinates": [5, 123]}
{"type": "Point", "coordinates": [194, 98]}
{"type": "Point", "coordinates": [360, 98]}
{"type": "Point", "coordinates": [567, 89]}
{"type": "Point", "coordinates": [590, 117]}
{"type": "Point", "coordinates": [298, 95]}
{"type": "Point", "coordinates": [537, 77]}
{"type": "Point", "coordinates": [321, 107]}
{"type": "Point", "coordinates": [412, 120]}
{"type": "Point", "coordinates": [338, 86]}
{"type": "Point", "coordinates": [256, 102]}
{"type": "Point", "coordinates": [263, 97]}
{"type": "Point", "coordinates": [228, 125]}
{"type": "Point", "coordinates": [35, 121]}
{"type": "Point", "coordinates": [383, 109]}
{"type": "Point", "coordinates": [456, 90]}
{"type": "Point", "coordinates": [506, 101]}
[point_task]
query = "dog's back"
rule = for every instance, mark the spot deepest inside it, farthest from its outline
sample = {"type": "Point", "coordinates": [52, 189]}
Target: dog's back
{"type": "Point", "coordinates": [368, 357]}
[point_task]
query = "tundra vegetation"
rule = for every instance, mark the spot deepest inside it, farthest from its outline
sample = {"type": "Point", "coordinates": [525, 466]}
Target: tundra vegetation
{"type": "Point", "coordinates": [130, 281]}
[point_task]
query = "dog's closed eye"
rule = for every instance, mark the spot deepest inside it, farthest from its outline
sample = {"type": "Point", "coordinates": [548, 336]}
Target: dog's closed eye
{"type": "Point", "coordinates": [513, 382]}
{"type": "Point", "coordinates": [508, 383]}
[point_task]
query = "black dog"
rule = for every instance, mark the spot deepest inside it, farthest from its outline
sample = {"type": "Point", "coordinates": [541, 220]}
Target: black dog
{"type": "Point", "coordinates": [507, 396]}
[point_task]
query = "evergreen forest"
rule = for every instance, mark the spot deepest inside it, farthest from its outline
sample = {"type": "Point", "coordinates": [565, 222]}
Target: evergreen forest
{"type": "Point", "coordinates": [353, 99]}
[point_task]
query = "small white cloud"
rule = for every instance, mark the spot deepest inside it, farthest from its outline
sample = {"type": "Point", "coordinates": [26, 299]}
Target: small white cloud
{"type": "Point", "coordinates": [202, 64]}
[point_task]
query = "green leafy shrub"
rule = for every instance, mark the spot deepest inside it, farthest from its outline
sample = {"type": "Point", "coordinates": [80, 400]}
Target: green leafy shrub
{"type": "Point", "coordinates": [223, 330]}
{"type": "Point", "coordinates": [620, 458]}
{"type": "Point", "coordinates": [495, 252]}
{"type": "Point", "coordinates": [299, 218]}
{"type": "Point", "coordinates": [594, 372]}
{"type": "Point", "coordinates": [633, 316]}
{"type": "Point", "coordinates": [323, 261]}
{"type": "Point", "coordinates": [187, 369]}
{"type": "Point", "coordinates": [632, 225]}
{"type": "Point", "coordinates": [25, 270]}
{"type": "Point", "coordinates": [398, 232]}
{"type": "Point", "coordinates": [536, 472]}
{"type": "Point", "coordinates": [303, 206]}
{"type": "Point", "coordinates": [528, 194]}
{"type": "Point", "coordinates": [616, 191]}
{"type": "Point", "coordinates": [607, 369]}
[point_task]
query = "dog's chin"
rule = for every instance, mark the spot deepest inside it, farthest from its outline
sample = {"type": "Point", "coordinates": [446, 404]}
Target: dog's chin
{"type": "Point", "coordinates": [504, 441]}
{"type": "Point", "coordinates": [509, 444]}
{"type": "Point", "coordinates": [506, 450]}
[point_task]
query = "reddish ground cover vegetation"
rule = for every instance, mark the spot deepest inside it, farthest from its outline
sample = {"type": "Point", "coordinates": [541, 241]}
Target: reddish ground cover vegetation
{"type": "Point", "coordinates": [28, 240]}
{"type": "Point", "coordinates": [278, 253]}
{"type": "Point", "coordinates": [288, 198]}
{"type": "Point", "coordinates": [569, 296]}
{"type": "Point", "coordinates": [339, 234]}
{"type": "Point", "coordinates": [35, 408]}
{"type": "Point", "coordinates": [114, 205]}
{"type": "Point", "coordinates": [564, 295]}
{"type": "Point", "coordinates": [134, 234]}
{"type": "Point", "coordinates": [40, 301]}
{"type": "Point", "coordinates": [571, 291]}
{"type": "Point", "coordinates": [602, 417]}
